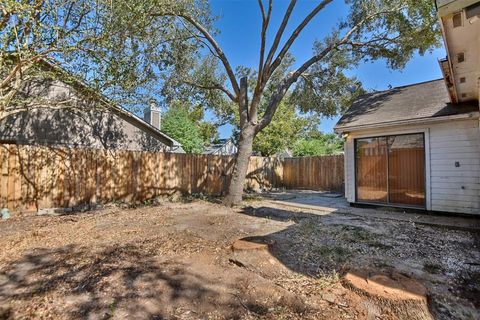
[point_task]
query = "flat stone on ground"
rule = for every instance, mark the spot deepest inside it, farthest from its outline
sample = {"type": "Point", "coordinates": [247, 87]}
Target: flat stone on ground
{"type": "Point", "coordinates": [395, 286]}
{"type": "Point", "coordinates": [252, 243]}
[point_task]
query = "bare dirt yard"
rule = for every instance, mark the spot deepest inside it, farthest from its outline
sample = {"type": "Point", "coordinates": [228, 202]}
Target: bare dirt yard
{"type": "Point", "coordinates": [175, 261]}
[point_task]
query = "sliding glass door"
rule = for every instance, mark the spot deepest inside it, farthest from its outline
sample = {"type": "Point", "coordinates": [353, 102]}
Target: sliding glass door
{"type": "Point", "coordinates": [372, 163]}
{"type": "Point", "coordinates": [391, 170]}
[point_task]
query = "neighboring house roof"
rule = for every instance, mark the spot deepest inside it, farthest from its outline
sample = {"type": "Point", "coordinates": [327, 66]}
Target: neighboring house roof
{"type": "Point", "coordinates": [421, 101]}
{"type": "Point", "coordinates": [224, 146]}
{"type": "Point", "coordinates": [284, 154]}
{"type": "Point", "coordinates": [141, 124]}
{"type": "Point", "coordinates": [117, 110]}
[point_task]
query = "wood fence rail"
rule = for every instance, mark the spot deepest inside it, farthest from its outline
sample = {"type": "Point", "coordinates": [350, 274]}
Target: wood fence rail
{"type": "Point", "coordinates": [33, 177]}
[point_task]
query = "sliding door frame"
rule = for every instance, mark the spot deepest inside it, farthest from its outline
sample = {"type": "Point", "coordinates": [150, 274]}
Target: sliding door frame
{"type": "Point", "coordinates": [387, 133]}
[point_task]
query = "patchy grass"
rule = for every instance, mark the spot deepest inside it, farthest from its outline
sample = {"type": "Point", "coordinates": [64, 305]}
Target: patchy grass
{"type": "Point", "coordinates": [354, 233]}
{"type": "Point", "coordinates": [382, 264]}
{"type": "Point", "coordinates": [331, 253]}
{"type": "Point", "coordinates": [325, 280]}
{"type": "Point", "coordinates": [249, 198]}
{"type": "Point", "coordinates": [172, 261]}
{"type": "Point", "coordinates": [379, 245]}
{"type": "Point", "coordinates": [433, 268]}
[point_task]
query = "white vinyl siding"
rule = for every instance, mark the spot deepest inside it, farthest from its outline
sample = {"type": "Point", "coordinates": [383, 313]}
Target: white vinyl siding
{"type": "Point", "coordinates": [448, 188]}
{"type": "Point", "coordinates": [455, 189]}
{"type": "Point", "coordinates": [349, 152]}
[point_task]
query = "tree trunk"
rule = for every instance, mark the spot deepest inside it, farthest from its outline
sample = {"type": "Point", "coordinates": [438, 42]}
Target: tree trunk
{"type": "Point", "coordinates": [245, 146]}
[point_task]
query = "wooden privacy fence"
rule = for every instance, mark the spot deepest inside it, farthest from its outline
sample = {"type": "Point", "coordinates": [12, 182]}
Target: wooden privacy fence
{"type": "Point", "coordinates": [33, 177]}
{"type": "Point", "coordinates": [315, 173]}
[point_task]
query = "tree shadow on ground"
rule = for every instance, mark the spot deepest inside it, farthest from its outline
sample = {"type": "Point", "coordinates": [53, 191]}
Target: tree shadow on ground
{"type": "Point", "coordinates": [325, 245]}
{"type": "Point", "coordinates": [303, 247]}
{"type": "Point", "coordinates": [117, 281]}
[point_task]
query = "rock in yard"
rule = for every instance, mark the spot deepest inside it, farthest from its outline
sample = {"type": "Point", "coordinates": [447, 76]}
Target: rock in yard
{"type": "Point", "coordinates": [5, 213]}
{"type": "Point", "coordinates": [393, 293]}
{"type": "Point", "coordinates": [47, 212]}
{"type": "Point", "coordinates": [328, 297]}
{"type": "Point", "coordinates": [252, 243]}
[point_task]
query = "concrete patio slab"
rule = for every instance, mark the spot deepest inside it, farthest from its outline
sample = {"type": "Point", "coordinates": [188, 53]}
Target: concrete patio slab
{"type": "Point", "coordinates": [323, 203]}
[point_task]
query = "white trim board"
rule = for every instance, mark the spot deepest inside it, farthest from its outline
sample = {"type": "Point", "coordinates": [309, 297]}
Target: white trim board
{"type": "Point", "coordinates": [422, 122]}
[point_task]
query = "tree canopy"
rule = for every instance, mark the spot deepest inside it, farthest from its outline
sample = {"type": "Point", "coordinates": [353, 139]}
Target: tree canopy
{"type": "Point", "coordinates": [130, 50]}
{"type": "Point", "coordinates": [318, 145]}
{"type": "Point", "coordinates": [372, 30]}
{"type": "Point", "coordinates": [114, 46]}
{"type": "Point", "coordinates": [177, 124]}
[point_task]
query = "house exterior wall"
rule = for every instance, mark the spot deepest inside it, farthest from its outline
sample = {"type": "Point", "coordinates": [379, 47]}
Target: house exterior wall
{"type": "Point", "coordinates": [65, 117]}
{"type": "Point", "coordinates": [74, 128]}
{"type": "Point", "coordinates": [227, 149]}
{"type": "Point", "coordinates": [448, 188]}
{"type": "Point", "coordinates": [464, 39]}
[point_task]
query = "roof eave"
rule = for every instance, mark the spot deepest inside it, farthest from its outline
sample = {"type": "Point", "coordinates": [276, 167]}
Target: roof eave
{"type": "Point", "coordinates": [121, 112]}
{"type": "Point", "coordinates": [139, 123]}
{"type": "Point", "coordinates": [345, 129]}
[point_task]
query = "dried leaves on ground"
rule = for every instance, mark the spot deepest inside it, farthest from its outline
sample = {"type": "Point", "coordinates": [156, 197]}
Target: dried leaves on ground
{"type": "Point", "coordinates": [174, 261]}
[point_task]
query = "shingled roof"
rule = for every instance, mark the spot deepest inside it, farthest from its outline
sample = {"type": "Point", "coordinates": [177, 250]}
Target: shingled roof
{"type": "Point", "coordinates": [111, 106]}
{"type": "Point", "coordinates": [424, 100]}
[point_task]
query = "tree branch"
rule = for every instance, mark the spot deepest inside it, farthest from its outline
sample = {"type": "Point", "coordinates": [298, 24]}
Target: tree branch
{"type": "Point", "coordinates": [295, 34]}
{"type": "Point", "coordinates": [243, 102]}
{"type": "Point", "coordinates": [278, 36]}
{"type": "Point", "coordinates": [47, 105]}
{"type": "Point", "coordinates": [285, 85]}
{"type": "Point", "coordinates": [21, 65]}
{"type": "Point", "coordinates": [214, 87]}
{"type": "Point", "coordinates": [200, 39]}
{"type": "Point", "coordinates": [5, 18]}
{"type": "Point", "coordinates": [380, 41]}
{"type": "Point", "coordinates": [215, 45]}
{"type": "Point", "coordinates": [293, 77]}
{"type": "Point", "coordinates": [265, 23]}
{"type": "Point", "coordinates": [260, 84]}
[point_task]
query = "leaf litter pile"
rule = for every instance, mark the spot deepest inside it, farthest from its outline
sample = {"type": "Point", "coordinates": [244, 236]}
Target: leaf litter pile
{"type": "Point", "coordinates": [176, 261]}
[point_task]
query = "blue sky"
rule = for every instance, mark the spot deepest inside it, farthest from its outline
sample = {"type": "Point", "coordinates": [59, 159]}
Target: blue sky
{"type": "Point", "coordinates": [239, 24]}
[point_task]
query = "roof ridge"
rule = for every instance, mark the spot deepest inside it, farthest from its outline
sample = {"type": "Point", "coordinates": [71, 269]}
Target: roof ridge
{"type": "Point", "coordinates": [406, 86]}
{"type": "Point", "coordinates": [53, 63]}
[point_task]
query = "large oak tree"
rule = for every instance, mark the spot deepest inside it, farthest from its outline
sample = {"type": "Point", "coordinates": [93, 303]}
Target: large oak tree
{"type": "Point", "coordinates": [130, 49]}
{"type": "Point", "coordinates": [393, 30]}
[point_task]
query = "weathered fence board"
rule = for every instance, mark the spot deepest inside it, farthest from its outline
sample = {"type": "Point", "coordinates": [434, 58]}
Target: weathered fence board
{"type": "Point", "coordinates": [315, 173]}
{"type": "Point", "coordinates": [33, 177]}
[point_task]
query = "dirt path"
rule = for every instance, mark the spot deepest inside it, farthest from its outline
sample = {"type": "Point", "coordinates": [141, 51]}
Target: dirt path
{"type": "Point", "coordinates": [175, 262]}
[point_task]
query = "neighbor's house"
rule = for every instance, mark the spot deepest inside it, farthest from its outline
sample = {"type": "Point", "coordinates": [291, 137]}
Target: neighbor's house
{"type": "Point", "coordinates": [70, 114]}
{"type": "Point", "coordinates": [224, 147]}
{"type": "Point", "coordinates": [419, 145]}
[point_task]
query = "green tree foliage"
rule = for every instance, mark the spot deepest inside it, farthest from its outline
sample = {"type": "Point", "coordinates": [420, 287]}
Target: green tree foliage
{"type": "Point", "coordinates": [177, 124]}
{"type": "Point", "coordinates": [208, 132]}
{"type": "Point", "coordinates": [318, 145]}
{"type": "Point", "coordinates": [114, 46]}
{"type": "Point", "coordinates": [196, 113]}
{"type": "Point", "coordinates": [285, 129]}
{"type": "Point", "coordinates": [389, 30]}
